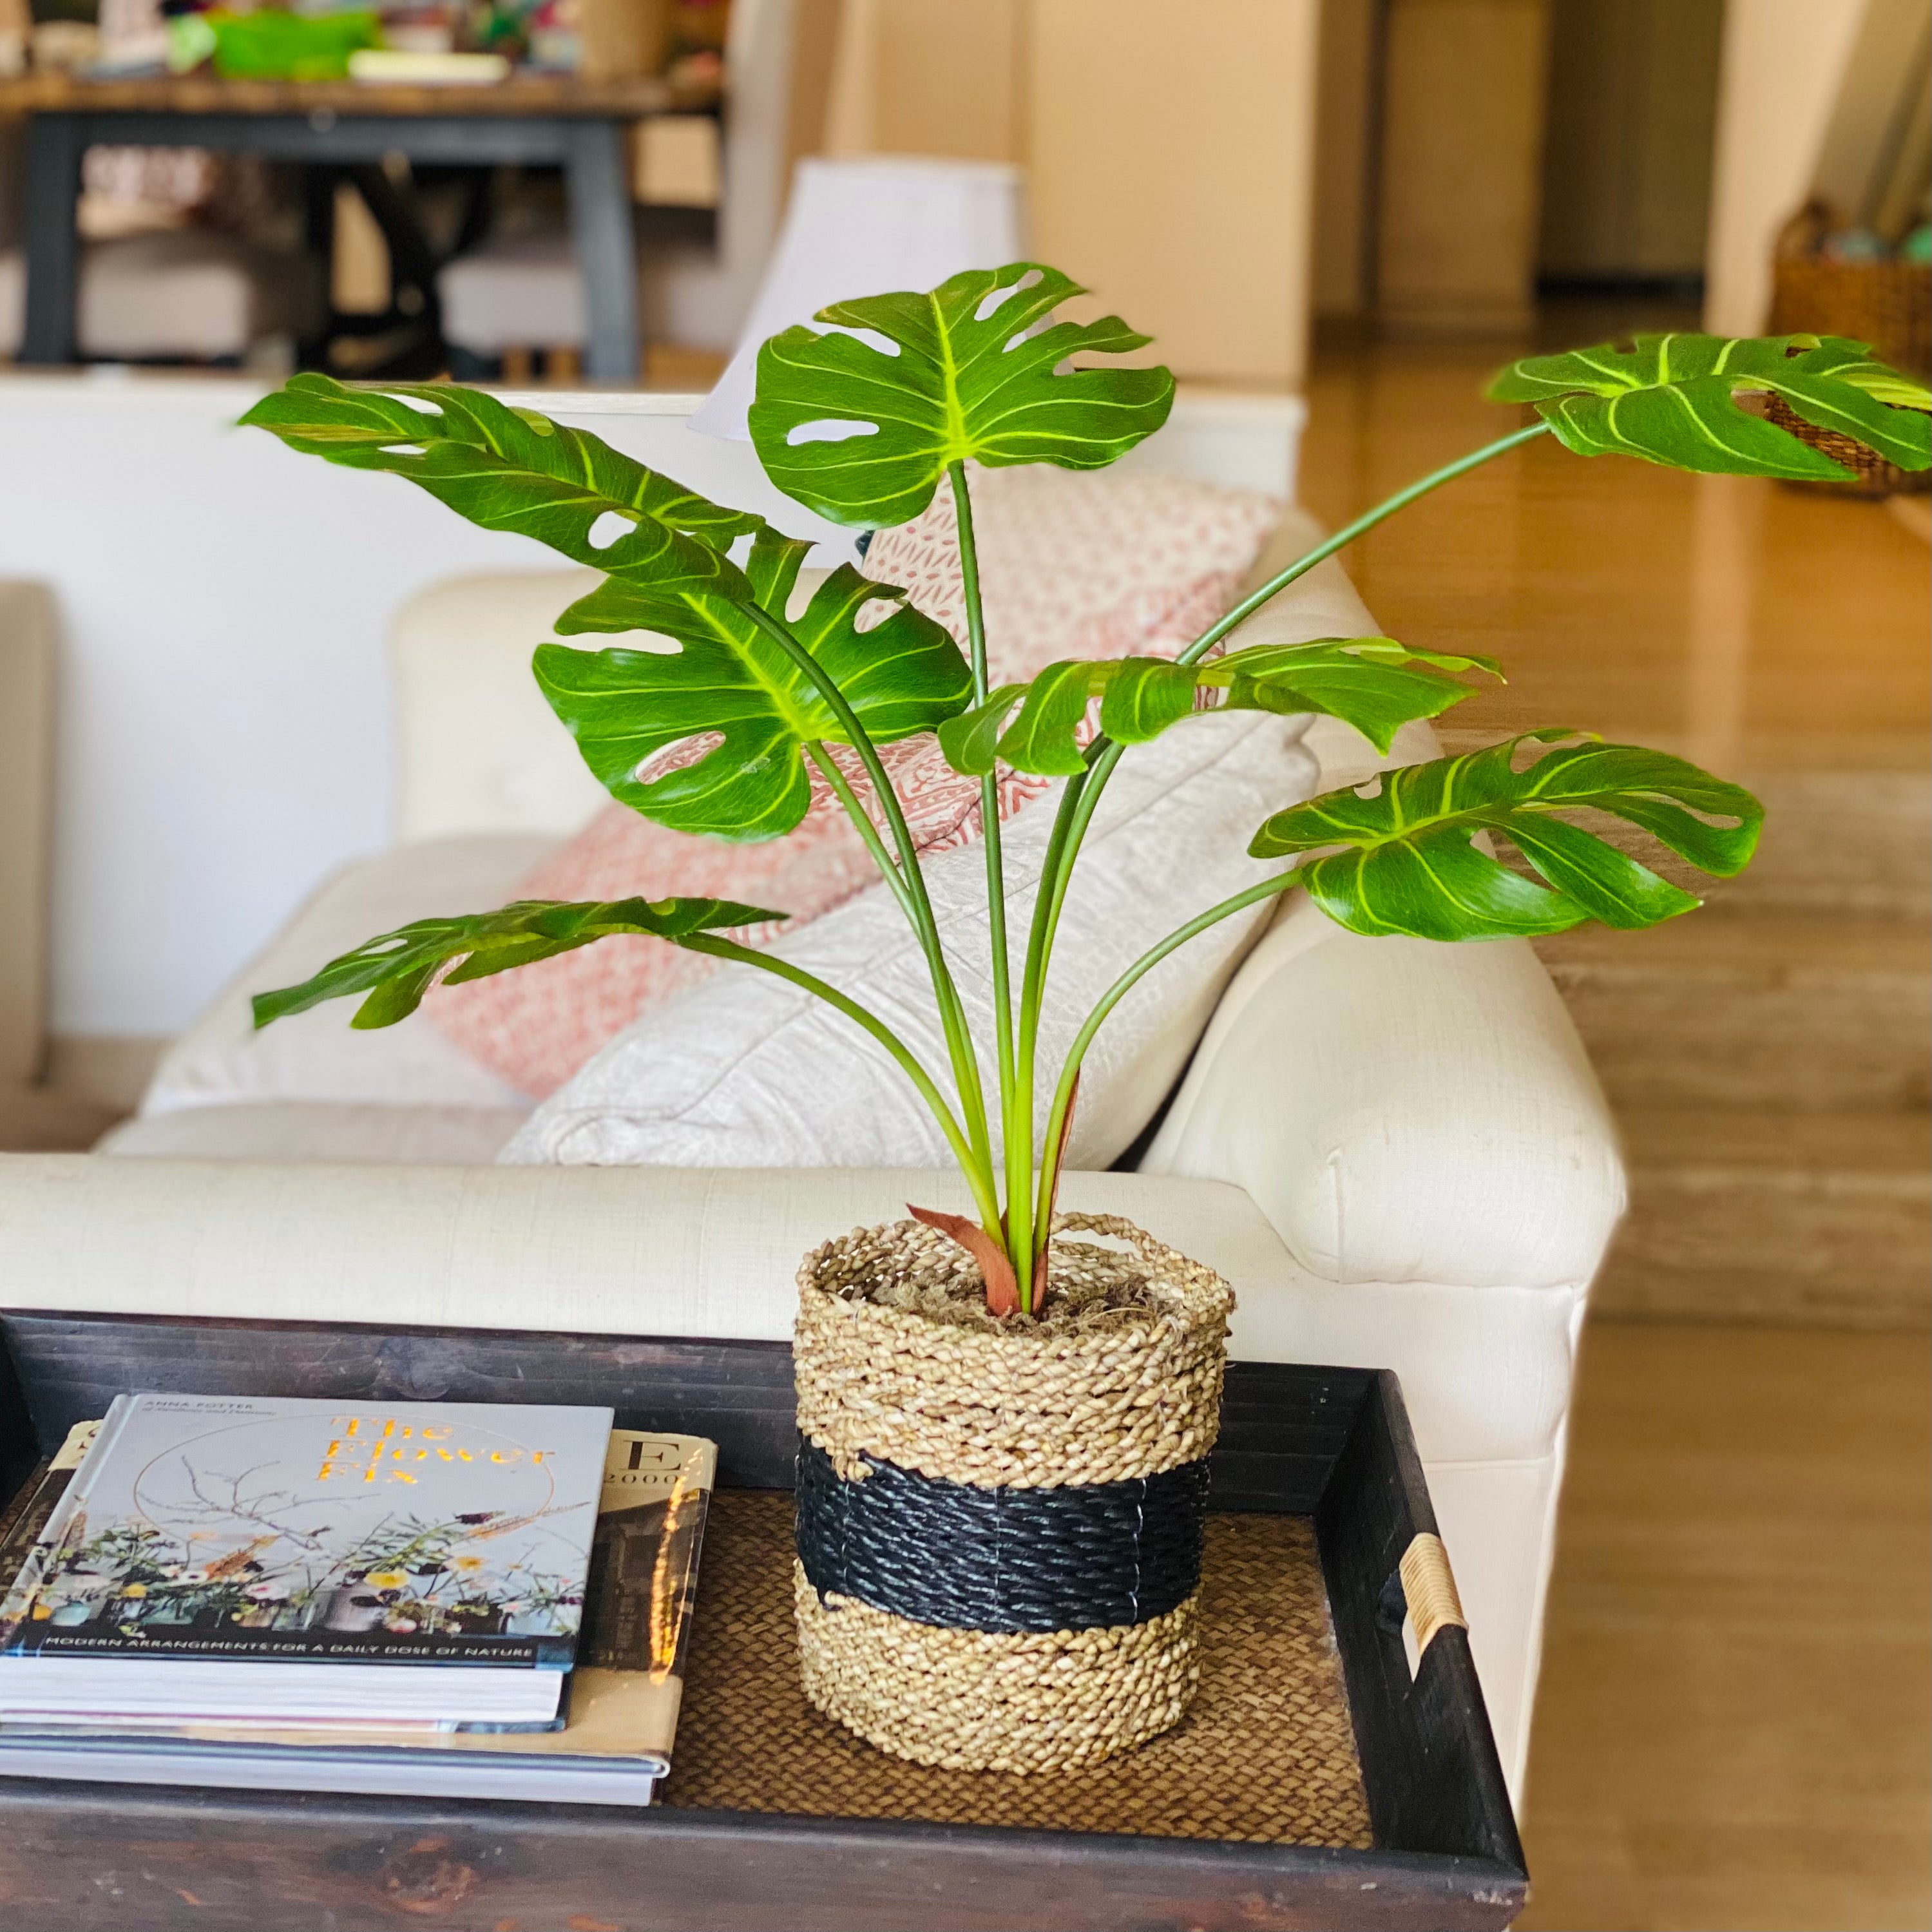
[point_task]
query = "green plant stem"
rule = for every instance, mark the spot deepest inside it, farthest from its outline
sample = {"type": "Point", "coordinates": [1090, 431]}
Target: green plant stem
{"type": "Point", "coordinates": [1032, 987]}
{"type": "Point", "coordinates": [1349, 533]}
{"type": "Point", "coordinates": [951, 1012]}
{"type": "Point", "coordinates": [862, 819]}
{"type": "Point", "coordinates": [1081, 798]}
{"type": "Point", "coordinates": [869, 832]}
{"type": "Point", "coordinates": [1063, 1097]}
{"type": "Point", "coordinates": [978, 1173]}
{"type": "Point", "coordinates": [1077, 804]}
{"type": "Point", "coordinates": [1015, 1136]}
{"type": "Point", "coordinates": [1103, 754]}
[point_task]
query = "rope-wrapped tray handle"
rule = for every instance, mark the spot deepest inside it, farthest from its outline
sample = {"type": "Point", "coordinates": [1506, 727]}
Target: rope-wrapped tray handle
{"type": "Point", "coordinates": [1429, 1588]}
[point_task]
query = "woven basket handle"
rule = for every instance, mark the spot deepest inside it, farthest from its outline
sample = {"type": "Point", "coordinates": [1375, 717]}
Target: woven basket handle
{"type": "Point", "coordinates": [1138, 1239]}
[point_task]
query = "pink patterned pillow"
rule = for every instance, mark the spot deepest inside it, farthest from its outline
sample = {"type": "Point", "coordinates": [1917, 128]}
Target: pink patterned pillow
{"type": "Point", "coordinates": [1073, 566]}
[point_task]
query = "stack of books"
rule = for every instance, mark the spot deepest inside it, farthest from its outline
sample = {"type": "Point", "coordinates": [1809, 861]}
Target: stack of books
{"type": "Point", "coordinates": [492, 1599]}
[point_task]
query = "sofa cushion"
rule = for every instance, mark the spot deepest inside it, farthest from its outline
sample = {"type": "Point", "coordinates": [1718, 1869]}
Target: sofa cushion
{"type": "Point", "coordinates": [1076, 564]}
{"type": "Point", "coordinates": [746, 1070]}
{"type": "Point", "coordinates": [537, 1026]}
{"type": "Point", "coordinates": [316, 1055]}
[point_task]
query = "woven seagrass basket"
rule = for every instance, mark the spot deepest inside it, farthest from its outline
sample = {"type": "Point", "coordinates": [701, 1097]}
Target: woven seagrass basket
{"type": "Point", "coordinates": [1000, 1524]}
{"type": "Point", "coordinates": [1871, 474]}
{"type": "Point", "coordinates": [1886, 303]}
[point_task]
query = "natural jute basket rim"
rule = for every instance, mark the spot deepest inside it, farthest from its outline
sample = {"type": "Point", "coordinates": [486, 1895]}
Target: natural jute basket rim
{"type": "Point", "coordinates": [1187, 1295]}
{"type": "Point", "coordinates": [1018, 1406]}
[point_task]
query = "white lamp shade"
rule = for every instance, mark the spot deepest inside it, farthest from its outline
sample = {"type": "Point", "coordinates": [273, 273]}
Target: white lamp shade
{"type": "Point", "coordinates": [866, 226]}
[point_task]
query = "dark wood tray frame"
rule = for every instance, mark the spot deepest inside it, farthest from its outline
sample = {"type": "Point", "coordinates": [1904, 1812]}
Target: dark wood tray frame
{"type": "Point", "coordinates": [1333, 1444]}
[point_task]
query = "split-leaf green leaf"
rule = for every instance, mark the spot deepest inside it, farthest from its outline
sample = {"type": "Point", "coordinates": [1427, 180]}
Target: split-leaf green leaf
{"type": "Point", "coordinates": [1673, 399]}
{"type": "Point", "coordinates": [720, 683]}
{"type": "Point", "coordinates": [1373, 683]}
{"type": "Point", "coordinates": [509, 469]}
{"type": "Point", "coordinates": [1409, 862]}
{"type": "Point", "coordinates": [862, 433]}
{"type": "Point", "coordinates": [395, 969]}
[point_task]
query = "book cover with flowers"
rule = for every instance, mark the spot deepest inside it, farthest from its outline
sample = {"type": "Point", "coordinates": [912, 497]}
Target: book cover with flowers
{"type": "Point", "coordinates": [264, 1528]}
{"type": "Point", "coordinates": [626, 1688]}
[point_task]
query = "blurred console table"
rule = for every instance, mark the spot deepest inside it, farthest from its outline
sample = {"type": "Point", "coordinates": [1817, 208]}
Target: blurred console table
{"type": "Point", "coordinates": [580, 126]}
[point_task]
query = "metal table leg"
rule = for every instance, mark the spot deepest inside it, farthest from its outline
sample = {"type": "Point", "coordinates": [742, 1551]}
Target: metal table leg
{"type": "Point", "coordinates": [55, 144]}
{"type": "Point", "coordinates": [600, 223]}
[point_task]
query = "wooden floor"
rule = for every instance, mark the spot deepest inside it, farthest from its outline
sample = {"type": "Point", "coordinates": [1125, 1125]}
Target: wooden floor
{"type": "Point", "coordinates": [1732, 1726]}
{"type": "Point", "coordinates": [1739, 622]}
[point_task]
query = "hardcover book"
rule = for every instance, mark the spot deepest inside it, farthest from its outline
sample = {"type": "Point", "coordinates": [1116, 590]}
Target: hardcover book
{"type": "Point", "coordinates": [625, 1694]}
{"type": "Point", "coordinates": [33, 1509]}
{"type": "Point", "coordinates": [301, 1559]}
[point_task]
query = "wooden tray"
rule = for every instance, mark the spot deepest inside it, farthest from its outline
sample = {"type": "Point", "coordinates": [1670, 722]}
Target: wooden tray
{"type": "Point", "coordinates": [1332, 1446]}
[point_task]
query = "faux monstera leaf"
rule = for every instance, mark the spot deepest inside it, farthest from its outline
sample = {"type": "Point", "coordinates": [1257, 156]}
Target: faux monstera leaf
{"type": "Point", "coordinates": [395, 969]}
{"type": "Point", "coordinates": [1673, 400]}
{"type": "Point", "coordinates": [1409, 863]}
{"type": "Point", "coordinates": [512, 470]}
{"type": "Point", "coordinates": [862, 433]}
{"type": "Point", "coordinates": [1373, 683]}
{"type": "Point", "coordinates": [729, 683]}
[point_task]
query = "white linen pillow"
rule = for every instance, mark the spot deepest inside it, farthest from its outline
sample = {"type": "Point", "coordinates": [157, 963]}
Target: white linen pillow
{"type": "Point", "coordinates": [748, 1071]}
{"type": "Point", "coordinates": [744, 1072]}
{"type": "Point", "coordinates": [316, 1055]}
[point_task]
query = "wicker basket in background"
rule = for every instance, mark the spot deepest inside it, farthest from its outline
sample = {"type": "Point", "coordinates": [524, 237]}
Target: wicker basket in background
{"type": "Point", "coordinates": [1887, 303]}
{"type": "Point", "coordinates": [1871, 476]}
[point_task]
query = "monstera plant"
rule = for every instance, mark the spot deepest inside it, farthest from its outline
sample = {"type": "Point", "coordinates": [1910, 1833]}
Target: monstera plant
{"type": "Point", "coordinates": [863, 421]}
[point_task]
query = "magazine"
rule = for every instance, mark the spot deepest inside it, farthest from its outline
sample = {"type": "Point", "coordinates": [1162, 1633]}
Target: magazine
{"type": "Point", "coordinates": [626, 1688]}
{"type": "Point", "coordinates": [302, 1559]}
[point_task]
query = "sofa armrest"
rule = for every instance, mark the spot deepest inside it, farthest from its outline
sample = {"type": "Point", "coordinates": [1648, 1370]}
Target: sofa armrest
{"type": "Point", "coordinates": [589, 1250]}
{"type": "Point", "coordinates": [703, 1252]}
{"type": "Point", "coordinates": [1402, 1110]}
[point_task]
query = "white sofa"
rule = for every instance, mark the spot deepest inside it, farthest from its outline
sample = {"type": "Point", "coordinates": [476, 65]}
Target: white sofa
{"type": "Point", "coordinates": [1396, 1151]}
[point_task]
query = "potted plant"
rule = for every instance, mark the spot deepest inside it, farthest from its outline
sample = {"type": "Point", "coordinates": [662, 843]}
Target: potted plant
{"type": "Point", "coordinates": [1004, 1431]}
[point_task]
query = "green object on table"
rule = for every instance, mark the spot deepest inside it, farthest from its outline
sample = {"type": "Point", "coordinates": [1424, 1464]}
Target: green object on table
{"type": "Point", "coordinates": [271, 45]}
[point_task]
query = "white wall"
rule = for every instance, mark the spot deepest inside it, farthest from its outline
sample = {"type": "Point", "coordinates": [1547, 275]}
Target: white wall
{"type": "Point", "coordinates": [1169, 159]}
{"type": "Point", "coordinates": [1782, 63]}
{"type": "Point", "coordinates": [1170, 156]}
{"type": "Point", "coordinates": [224, 730]}
{"type": "Point", "coordinates": [223, 735]}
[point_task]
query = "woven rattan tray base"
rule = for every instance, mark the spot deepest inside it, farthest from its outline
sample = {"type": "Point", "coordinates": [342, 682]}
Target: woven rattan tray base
{"type": "Point", "coordinates": [1267, 1755]}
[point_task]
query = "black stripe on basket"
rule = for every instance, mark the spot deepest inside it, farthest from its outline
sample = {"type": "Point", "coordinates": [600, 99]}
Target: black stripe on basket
{"type": "Point", "coordinates": [1084, 1557]}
